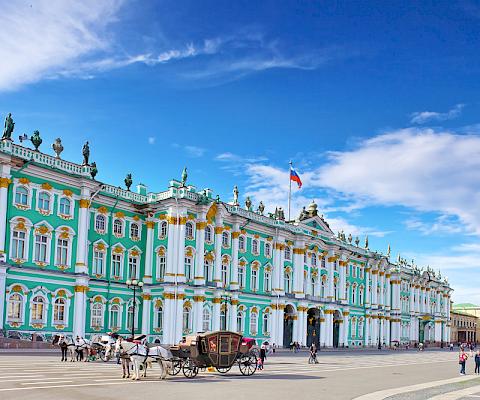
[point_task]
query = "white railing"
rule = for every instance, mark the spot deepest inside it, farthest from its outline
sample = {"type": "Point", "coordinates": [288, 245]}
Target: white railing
{"type": "Point", "coordinates": [125, 194]}
{"type": "Point", "coordinates": [41, 158]}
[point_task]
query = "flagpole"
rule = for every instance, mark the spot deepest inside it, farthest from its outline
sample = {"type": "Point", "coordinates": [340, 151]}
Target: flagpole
{"type": "Point", "coordinates": [289, 189]}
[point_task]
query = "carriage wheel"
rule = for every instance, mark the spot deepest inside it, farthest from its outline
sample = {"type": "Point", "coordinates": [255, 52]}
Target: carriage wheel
{"type": "Point", "coordinates": [190, 370]}
{"type": "Point", "coordinates": [223, 370]}
{"type": "Point", "coordinates": [247, 364]}
{"type": "Point", "coordinates": [176, 367]}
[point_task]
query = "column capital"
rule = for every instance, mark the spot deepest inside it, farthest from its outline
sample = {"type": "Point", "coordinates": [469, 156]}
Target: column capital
{"type": "Point", "coordinates": [5, 182]}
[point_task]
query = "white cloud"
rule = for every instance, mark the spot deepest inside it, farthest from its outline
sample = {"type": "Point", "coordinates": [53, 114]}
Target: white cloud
{"type": "Point", "coordinates": [151, 139]}
{"type": "Point", "coordinates": [426, 116]}
{"type": "Point", "coordinates": [191, 151]}
{"type": "Point", "coordinates": [444, 224]}
{"type": "Point", "coordinates": [416, 168]}
{"type": "Point", "coordinates": [40, 39]}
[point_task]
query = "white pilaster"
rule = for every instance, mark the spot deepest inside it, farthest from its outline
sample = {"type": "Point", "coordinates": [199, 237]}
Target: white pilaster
{"type": "Point", "coordinates": [346, 322]}
{"type": "Point", "coordinates": [171, 269]}
{"type": "Point", "coordinates": [298, 269]}
{"type": "Point", "coordinates": [147, 278]}
{"type": "Point", "coordinates": [181, 247]}
{"type": "Point", "coordinates": [331, 258]}
{"type": "Point", "coordinates": [82, 236]}
{"type": "Point", "coordinates": [3, 280]}
{"type": "Point", "coordinates": [146, 313]}
{"type": "Point", "coordinates": [80, 306]}
{"type": "Point", "coordinates": [234, 284]}
{"type": "Point", "coordinates": [199, 278]}
{"type": "Point", "coordinates": [4, 184]}
{"type": "Point", "coordinates": [217, 278]}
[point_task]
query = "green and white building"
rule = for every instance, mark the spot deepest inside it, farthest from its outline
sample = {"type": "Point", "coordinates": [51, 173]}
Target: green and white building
{"type": "Point", "coordinates": [68, 244]}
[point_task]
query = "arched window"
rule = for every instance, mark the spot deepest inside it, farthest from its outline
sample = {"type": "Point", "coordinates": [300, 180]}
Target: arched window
{"type": "Point", "coordinates": [134, 231]}
{"type": "Point", "coordinates": [115, 316]}
{"type": "Point", "coordinates": [267, 282]}
{"type": "Point", "coordinates": [207, 270]}
{"type": "Point", "coordinates": [18, 244]}
{"type": "Point", "coordinates": [353, 327]}
{"type": "Point", "coordinates": [38, 310]}
{"type": "Point", "coordinates": [223, 320]}
{"type": "Point", "coordinates": [314, 260]}
{"type": "Point", "coordinates": [268, 250]}
{"type": "Point", "coordinates": [360, 328]}
{"type": "Point", "coordinates": [254, 281]}
{"type": "Point", "coordinates": [130, 318]}
{"type": "Point", "coordinates": [241, 243]}
{"type": "Point", "coordinates": [100, 223]}
{"type": "Point", "coordinates": [44, 201]}
{"type": "Point", "coordinates": [15, 307]}
{"type": "Point", "coordinates": [322, 289]}
{"type": "Point", "coordinates": [21, 196]}
{"type": "Point", "coordinates": [323, 263]}
{"type": "Point", "coordinates": [225, 273]}
{"type": "Point", "coordinates": [117, 262]}
{"type": "Point", "coordinates": [241, 276]}
{"type": "Point", "coordinates": [65, 206]}
{"type": "Point", "coordinates": [97, 315]}
{"type": "Point", "coordinates": [288, 253]}
{"type": "Point", "coordinates": [159, 318]}
{"type": "Point", "coordinates": [189, 230]}
{"type": "Point", "coordinates": [208, 234]}
{"type": "Point", "coordinates": [225, 239]}
{"type": "Point", "coordinates": [265, 324]}
{"type": "Point", "coordinates": [335, 289]}
{"type": "Point", "coordinates": [240, 320]}
{"type": "Point", "coordinates": [314, 285]}
{"type": "Point", "coordinates": [59, 311]}
{"type": "Point", "coordinates": [161, 265]}
{"type": "Point", "coordinates": [354, 294]}
{"type": "Point", "coordinates": [133, 270]}
{"type": "Point", "coordinates": [253, 323]}
{"type": "Point", "coordinates": [118, 227]}
{"type": "Point", "coordinates": [206, 317]}
{"type": "Point", "coordinates": [288, 282]}
{"type": "Point", "coordinates": [63, 249]}
{"type": "Point", "coordinates": [186, 320]}
{"type": "Point", "coordinates": [162, 229]}
{"type": "Point", "coordinates": [255, 246]}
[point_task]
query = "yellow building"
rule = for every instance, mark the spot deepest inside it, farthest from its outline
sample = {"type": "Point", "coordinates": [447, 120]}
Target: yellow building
{"type": "Point", "coordinates": [464, 327]}
{"type": "Point", "coordinates": [471, 309]}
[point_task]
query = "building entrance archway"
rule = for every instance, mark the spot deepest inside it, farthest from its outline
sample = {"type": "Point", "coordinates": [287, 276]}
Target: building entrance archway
{"type": "Point", "coordinates": [288, 317]}
{"type": "Point", "coordinates": [313, 327]}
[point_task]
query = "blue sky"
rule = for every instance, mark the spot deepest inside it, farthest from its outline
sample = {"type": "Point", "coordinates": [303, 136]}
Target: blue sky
{"type": "Point", "coordinates": [376, 103]}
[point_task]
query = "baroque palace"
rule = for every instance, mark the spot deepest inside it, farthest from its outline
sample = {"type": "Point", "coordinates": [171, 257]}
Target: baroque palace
{"type": "Point", "coordinates": [69, 244]}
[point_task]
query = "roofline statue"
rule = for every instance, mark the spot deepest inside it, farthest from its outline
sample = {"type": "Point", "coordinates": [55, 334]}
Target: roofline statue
{"type": "Point", "coordinates": [8, 127]}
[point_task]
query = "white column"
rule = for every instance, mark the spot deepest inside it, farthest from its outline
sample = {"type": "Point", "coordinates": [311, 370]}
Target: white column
{"type": "Point", "coordinates": [438, 331]}
{"type": "Point", "coordinates": [171, 270]}
{"type": "Point", "coordinates": [179, 318]}
{"type": "Point", "coordinates": [298, 269]}
{"type": "Point", "coordinates": [3, 281]}
{"type": "Point", "coordinates": [374, 288]}
{"type": "Point", "coordinates": [234, 273]}
{"type": "Point", "coordinates": [343, 277]}
{"type": "Point", "coordinates": [341, 333]}
{"type": "Point", "coordinates": [198, 300]}
{"type": "Point", "coordinates": [323, 332]}
{"type": "Point", "coordinates": [388, 300]}
{"type": "Point", "coordinates": [281, 256]}
{"type": "Point", "coordinates": [279, 321]}
{"type": "Point", "coordinates": [439, 299]}
{"type": "Point", "coordinates": [232, 316]}
{"type": "Point", "coordinates": [4, 183]}
{"type": "Point", "coordinates": [218, 253]}
{"type": "Point", "coordinates": [330, 287]}
{"type": "Point", "coordinates": [216, 313]}
{"type": "Point", "coordinates": [146, 313]}
{"type": "Point", "coordinates": [79, 307]}
{"type": "Point", "coordinates": [367, 286]}
{"type": "Point", "coordinates": [303, 329]}
{"type": "Point", "coordinates": [149, 252]}
{"type": "Point", "coordinates": [367, 330]}
{"type": "Point", "coordinates": [199, 278]}
{"type": "Point", "coordinates": [387, 330]}
{"type": "Point", "coordinates": [329, 328]}
{"type": "Point", "coordinates": [181, 249]}
{"type": "Point", "coordinates": [169, 318]}
{"type": "Point", "coordinates": [82, 235]}
{"type": "Point", "coordinates": [346, 322]}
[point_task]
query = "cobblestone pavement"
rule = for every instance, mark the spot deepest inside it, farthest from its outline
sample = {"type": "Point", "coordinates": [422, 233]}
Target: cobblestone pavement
{"type": "Point", "coordinates": [337, 376]}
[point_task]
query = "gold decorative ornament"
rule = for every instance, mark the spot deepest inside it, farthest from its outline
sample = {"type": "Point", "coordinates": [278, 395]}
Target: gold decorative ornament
{"type": "Point", "coordinates": [46, 186]}
{"type": "Point", "coordinates": [199, 298]}
{"type": "Point", "coordinates": [84, 203]}
{"type": "Point", "coordinates": [24, 181]}
{"type": "Point", "coordinates": [5, 182]}
{"type": "Point", "coordinates": [136, 218]}
{"type": "Point", "coordinates": [150, 224]}
{"type": "Point", "coordinates": [201, 225]}
{"type": "Point", "coordinates": [218, 230]}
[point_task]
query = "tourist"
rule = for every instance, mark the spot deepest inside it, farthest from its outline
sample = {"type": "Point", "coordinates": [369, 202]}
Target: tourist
{"type": "Point", "coordinates": [313, 354]}
{"type": "Point", "coordinates": [462, 360]}
{"type": "Point", "coordinates": [477, 362]}
{"type": "Point", "coordinates": [451, 346]}
{"type": "Point", "coordinates": [263, 353]}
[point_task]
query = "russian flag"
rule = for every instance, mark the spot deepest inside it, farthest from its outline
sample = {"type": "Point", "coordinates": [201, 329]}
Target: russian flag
{"type": "Point", "coordinates": [295, 178]}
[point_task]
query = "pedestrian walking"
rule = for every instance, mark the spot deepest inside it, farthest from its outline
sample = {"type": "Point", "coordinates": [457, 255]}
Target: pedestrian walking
{"type": "Point", "coordinates": [462, 360]}
{"type": "Point", "coordinates": [263, 353]}
{"type": "Point", "coordinates": [451, 346]}
{"type": "Point", "coordinates": [477, 362]}
{"type": "Point", "coordinates": [313, 354]}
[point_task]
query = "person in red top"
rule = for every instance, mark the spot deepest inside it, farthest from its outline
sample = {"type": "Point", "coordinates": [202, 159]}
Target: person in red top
{"type": "Point", "coordinates": [462, 360]}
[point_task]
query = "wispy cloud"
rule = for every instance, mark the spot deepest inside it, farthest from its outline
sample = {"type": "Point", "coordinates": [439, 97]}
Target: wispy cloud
{"type": "Point", "coordinates": [443, 224]}
{"type": "Point", "coordinates": [151, 139]}
{"type": "Point", "coordinates": [190, 151]}
{"type": "Point", "coordinates": [42, 38]}
{"type": "Point", "coordinates": [423, 117]}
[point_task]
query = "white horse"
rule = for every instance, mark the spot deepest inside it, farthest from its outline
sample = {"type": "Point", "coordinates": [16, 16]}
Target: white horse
{"type": "Point", "coordinates": [66, 344]}
{"type": "Point", "coordinates": [82, 346]}
{"type": "Point", "coordinates": [140, 355]}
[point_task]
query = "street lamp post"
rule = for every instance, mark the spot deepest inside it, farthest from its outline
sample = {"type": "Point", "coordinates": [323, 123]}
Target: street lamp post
{"type": "Point", "coordinates": [226, 298]}
{"type": "Point", "coordinates": [134, 284]}
{"type": "Point", "coordinates": [379, 334]}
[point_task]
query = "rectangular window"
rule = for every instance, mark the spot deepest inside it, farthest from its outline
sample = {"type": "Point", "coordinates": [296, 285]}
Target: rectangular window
{"type": "Point", "coordinates": [266, 282]}
{"type": "Point", "coordinates": [161, 263]}
{"type": "Point", "coordinates": [40, 248]}
{"type": "Point", "coordinates": [116, 264]}
{"type": "Point", "coordinates": [241, 277]}
{"type": "Point", "coordinates": [18, 244]}
{"type": "Point", "coordinates": [62, 252]}
{"type": "Point", "coordinates": [188, 268]}
{"type": "Point", "coordinates": [132, 267]}
{"type": "Point", "coordinates": [224, 275]}
{"type": "Point", "coordinates": [98, 262]}
{"type": "Point", "coordinates": [254, 280]}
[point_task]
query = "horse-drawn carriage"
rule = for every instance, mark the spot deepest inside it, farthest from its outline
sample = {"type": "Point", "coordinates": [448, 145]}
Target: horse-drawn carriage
{"type": "Point", "coordinates": [220, 350]}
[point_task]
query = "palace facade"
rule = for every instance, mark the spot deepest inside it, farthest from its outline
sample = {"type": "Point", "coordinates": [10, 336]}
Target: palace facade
{"type": "Point", "coordinates": [69, 243]}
